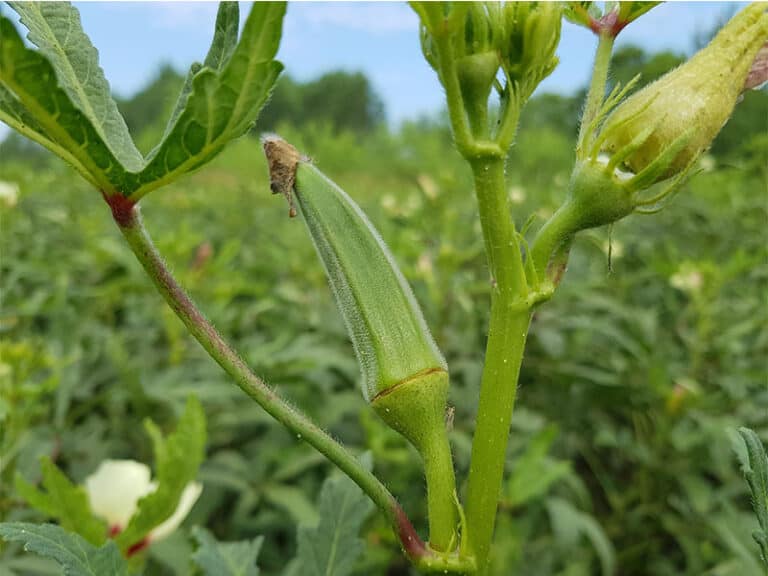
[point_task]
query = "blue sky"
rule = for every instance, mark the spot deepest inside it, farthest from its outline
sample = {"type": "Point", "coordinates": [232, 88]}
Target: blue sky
{"type": "Point", "coordinates": [378, 38]}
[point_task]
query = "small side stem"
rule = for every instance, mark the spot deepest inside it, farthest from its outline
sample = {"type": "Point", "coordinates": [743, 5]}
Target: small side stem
{"type": "Point", "coordinates": [128, 219]}
{"type": "Point", "coordinates": [555, 232]}
{"type": "Point", "coordinates": [596, 92]}
{"type": "Point", "coordinates": [441, 488]}
{"type": "Point", "coordinates": [450, 80]}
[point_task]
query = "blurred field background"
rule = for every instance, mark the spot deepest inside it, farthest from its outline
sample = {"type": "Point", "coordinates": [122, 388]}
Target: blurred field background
{"type": "Point", "coordinates": [622, 455]}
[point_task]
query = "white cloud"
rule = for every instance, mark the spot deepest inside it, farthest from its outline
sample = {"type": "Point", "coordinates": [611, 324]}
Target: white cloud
{"type": "Point", "coordinates": [374, 17]}
{"type": "Point", "coordinates": [170, 15]}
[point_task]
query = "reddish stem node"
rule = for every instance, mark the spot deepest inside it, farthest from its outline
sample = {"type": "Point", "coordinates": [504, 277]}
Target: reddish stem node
{"type": "Point", "coordinates": [607, 24]}
{"type": "Point", "coordinates": [122, 208]}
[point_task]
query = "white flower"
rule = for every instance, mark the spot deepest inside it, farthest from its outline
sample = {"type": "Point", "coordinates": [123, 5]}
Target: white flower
{"type": "Point", "coordinates": [687, 279]}
{"type": "Point", "coordinates": [116, 487]}
{"type": "Point", "coordinates": [9, 193]}
{"type": "Point", "coordinates": [516, 194]}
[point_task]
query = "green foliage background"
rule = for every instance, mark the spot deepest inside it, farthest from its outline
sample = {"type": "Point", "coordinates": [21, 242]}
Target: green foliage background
{"type": "Point", "coordinates": [635, 378]}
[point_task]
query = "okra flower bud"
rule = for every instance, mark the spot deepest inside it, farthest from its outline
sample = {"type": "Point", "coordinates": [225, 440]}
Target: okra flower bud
{"type": "Point", "coordinates": [527, 40]}
{"type": "Point", "coordinates": [687, 107]}
{"type": "Point", "coordinates": [657, 134]}
{"type": "Point", "coordinates": [476, 60]}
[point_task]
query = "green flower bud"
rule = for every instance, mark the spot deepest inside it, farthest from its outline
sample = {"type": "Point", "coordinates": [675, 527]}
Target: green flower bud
{"type": "Point", "coordinates": [476, 75]}
{"type": "Point", "coordinates": [476, 59]}
{"type": "Point", "coordinates": [687, 107]}
{"type": "Point", "coordinates": [527, 40]}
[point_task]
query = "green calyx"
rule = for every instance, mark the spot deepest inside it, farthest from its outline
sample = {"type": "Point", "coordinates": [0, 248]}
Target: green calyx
{"type": "Point", "coordinates": [416, 409]}
{"type": "Point", "coordinates": [597, 196]}
{"type": "Point", "coordinates": [600, 194]}
{"type": "Point", "coordinates": [693, 101]}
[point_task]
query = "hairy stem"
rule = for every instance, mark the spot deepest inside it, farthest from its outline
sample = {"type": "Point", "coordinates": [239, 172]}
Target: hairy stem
{"type": "Point", "coordinates": [556, 232]}
{"type": "Point", "coordinates": [450, 80]}
{"type": "Point", "coordinates": [441, 489]}
{"type": "Point", "coordinates": [596, 92]}
{"type": "Point", "coordinates": [128, 219]}
{"type": "Point", "coordinates": [506, 340]}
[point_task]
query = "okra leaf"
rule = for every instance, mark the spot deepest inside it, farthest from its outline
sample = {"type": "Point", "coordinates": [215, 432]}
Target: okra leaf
{"type": "Point", "coordinates": [222, 46]}
{"type": "Point", "coordinates": [177, 459]}
{"type": "Point", "coordinates": [631, 11]}
{"type": "Point", "coordinates": [31, 88]}
{"type": "Point", "coordinates": [755, 469]}
{"type": "Point", "coordinates": [63, 501]}
{"type": "Point", "coordinates": [226, 558]}
{"type": "Point", "coordinates": [581, 13]}
{"type": "Point", "coordinates": [13, 113]}
{"type": "Point", "coordinates": [76, 556]}
{"type": "Point", "coordinates": [223, 102]}
{"type": "Point", "coordinates": [535, 472]}
{"type": "Point", "coordinates": [332, 547]}
{"type": "Point", "coordinates": [58, 96]}
{"type": "Point", "coordinates": [55, 28]}
{"type": "Point", "coordinates": [569, 523]}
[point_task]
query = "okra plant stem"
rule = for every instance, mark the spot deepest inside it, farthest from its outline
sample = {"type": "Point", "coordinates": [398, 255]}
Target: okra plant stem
{"type": "Point", "coordinates": [596, 93]}
{"type": "Point", "coordinates": [450, 80]}
{"type": "Point", "coordinates": [504, 351]}
{"type": "Point", "coordinates": [128, 219]}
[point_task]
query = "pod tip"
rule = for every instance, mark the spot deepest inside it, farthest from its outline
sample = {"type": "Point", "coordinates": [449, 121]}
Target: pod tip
{"type": "Point", "coordinates": [283, 158]}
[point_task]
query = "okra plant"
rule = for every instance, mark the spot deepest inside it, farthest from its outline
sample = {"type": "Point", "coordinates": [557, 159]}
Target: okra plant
{"type": "Point", "coordinates": [634, 151]}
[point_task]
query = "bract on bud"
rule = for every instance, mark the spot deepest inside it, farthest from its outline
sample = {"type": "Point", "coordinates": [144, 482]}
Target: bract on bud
{"type": "Point", "coordinates": [690, 103]}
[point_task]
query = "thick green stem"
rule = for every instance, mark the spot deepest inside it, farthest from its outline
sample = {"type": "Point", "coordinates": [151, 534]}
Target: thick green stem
{"type": "Point", "coordinates": [504, 354]}
{"type": "Point", "coordinates": [506, 341]}
{"type": "Point", "coordinates": [596, 92]}
{"type": "Point", "coordinates": [128, 219]}
{"type": "Point", "coordinates": [502, 247]}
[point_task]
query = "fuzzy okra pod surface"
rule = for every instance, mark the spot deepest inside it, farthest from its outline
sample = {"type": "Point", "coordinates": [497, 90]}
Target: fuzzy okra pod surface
{"type": "Point", "coordinates": [404, 375]}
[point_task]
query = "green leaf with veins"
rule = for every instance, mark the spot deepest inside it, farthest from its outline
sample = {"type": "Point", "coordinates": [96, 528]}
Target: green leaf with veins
{"type": "Point", "coordinates": [223, 103]}
{"type": "Point", "coordinates": [226, 558]}
{"type": "Point", "coordinates": [63, 501]}
{"type": "Point", "coordinates": [755, 468]}
{"type": "Point", "coordinates": [76, 556]}
{"type": "Point", "coordinates": [222, 46]}
{"type": "Point", "coordinates": [55, 28]}
{"type": "Point", "coordinates": [58, 97]}
{"type": "Point", "coordinates": [333, 546]}
{"type": "Point", "coordinates": [31, 89]}
{"type": "Point", "coordinates": [177, 460]}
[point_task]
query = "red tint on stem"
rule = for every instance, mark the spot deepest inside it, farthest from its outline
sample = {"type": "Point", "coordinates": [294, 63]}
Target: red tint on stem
{"type": "Point", "coordinates": [607, 24]}
{"type": "Point", "coordinates": [122, 208]}
{"type": "Point", "coordinates": [412, 545]}
{"type": "Point", "coordinates": [138, 547]}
